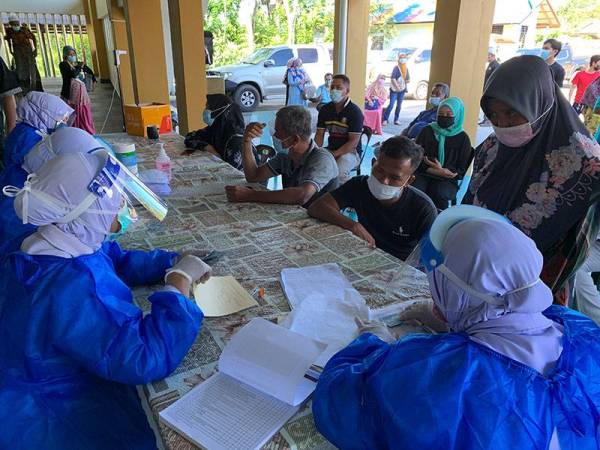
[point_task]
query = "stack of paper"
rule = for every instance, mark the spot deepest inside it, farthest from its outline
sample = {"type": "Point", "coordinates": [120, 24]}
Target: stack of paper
{"type": "Point", "coordinates": [259, 387]}
{"type": "Point", "coordinates": [324, 306]}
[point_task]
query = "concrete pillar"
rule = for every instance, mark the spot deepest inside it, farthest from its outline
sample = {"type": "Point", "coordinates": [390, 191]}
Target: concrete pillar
{"type": "Point", "coordinates": [147, 51]}
{"type": "Point", "coordinates": [95, 34]}
{"type": "Point", "coordinates": [350, 57]}
{"type": "Point", "coordinates": [187, 40]}
{"type": "Point", "coordinates": [119, 27]}
{"type": "Point", "coordinates": [461, 37]}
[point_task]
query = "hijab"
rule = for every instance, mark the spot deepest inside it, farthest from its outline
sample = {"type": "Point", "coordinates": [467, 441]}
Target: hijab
{"type": "Point", "coordinates": [42, 111]}
{"type": "Point", "coordinates": [229, 120]}
{"type": "Point", "coordinates": [55, 191]}
{"type": "Point", "coordinates": [457, 107]}
{"type": "Point", "coordinates": [295, 70]}
{"type": "Point", "coordinates": [545, 187]}
{"type": "Point", "coordinates": [377, 89]}
{"type": "Point", "coordinates": [62, 142]}
{"type": "Point", "coordinates": [496, 259]}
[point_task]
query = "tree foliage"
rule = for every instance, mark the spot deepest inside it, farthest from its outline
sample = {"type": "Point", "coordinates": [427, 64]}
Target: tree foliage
{"type": "Point", "coordinates": [313, 21]}
{"type": "Point", "coordinates": [579, 12]}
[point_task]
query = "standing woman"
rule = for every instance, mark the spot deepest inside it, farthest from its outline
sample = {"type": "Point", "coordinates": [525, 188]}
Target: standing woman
{"type": "Point", "coordinates": [540, 168]}
{"type": "Point", "coordinates": [448, 153]}
{"type": "Point", "coordinates": [399, 80]}
{"type": "Point", "coordinates": [223, 136]}
{"type": "Point", "coordinates": [296, 79]}
{"type": "Point", "coordinates": [73, 89]}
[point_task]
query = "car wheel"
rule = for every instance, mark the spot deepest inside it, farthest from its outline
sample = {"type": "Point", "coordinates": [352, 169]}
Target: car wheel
{"type": "Point", "coordinates": [422, 90]}
{"type": "Point", "coordinates": [247, 97]}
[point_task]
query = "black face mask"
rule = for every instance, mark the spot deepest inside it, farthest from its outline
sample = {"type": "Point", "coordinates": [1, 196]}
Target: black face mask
{"type": "Point", "coordinates": [445, 122]}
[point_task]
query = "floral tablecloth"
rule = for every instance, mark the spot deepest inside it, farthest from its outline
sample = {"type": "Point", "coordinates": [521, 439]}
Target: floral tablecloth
{"type": "Point", "coordinates": [257, 241]}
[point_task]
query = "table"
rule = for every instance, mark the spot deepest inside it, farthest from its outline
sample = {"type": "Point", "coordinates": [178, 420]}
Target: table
{"type": "Point", "coordinates": [257, 241]}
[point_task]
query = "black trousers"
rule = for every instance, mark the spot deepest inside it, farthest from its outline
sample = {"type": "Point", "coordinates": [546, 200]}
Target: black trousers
{"type": "Point", "coordinates": [439, 190]}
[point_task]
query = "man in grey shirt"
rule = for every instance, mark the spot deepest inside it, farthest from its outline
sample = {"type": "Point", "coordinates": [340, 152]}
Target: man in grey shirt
{"type": "Point", "coordinates": [307, 170]}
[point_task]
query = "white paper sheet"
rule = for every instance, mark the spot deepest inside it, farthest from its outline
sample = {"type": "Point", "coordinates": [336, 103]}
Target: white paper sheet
{"type": "Point", "coordinates": [271, 359]}
{"type": "Point", "coordinates": [221, 296]}
{"type": "Point", "coordinates": [224, 414]}
{"type": "Point", "coordinates": [325, 279]}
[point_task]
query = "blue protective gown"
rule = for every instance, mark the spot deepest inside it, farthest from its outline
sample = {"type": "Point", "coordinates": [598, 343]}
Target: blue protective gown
{"type": "Point", "coordinates": [18, 143]}
{"type": "Point", "coordinates": [72, 345]}
{"type": "Point", "coordinates": [10, 225]}
{"type": "Point", "coordinates": [448, 392]}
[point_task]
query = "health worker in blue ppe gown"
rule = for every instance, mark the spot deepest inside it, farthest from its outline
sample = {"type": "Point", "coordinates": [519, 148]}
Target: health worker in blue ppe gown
{"type": "Point", "coordinates": [72, 343]}
{"type": "Point", "coordinates": [513, 372]}
{"type": "Point", "coordinates": [39, 114]}
{"type": "Point", "coordinates": [64, 141]}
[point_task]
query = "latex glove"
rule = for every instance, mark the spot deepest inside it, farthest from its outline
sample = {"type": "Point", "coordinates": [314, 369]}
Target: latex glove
{"type": "Point", "coordinates": [375, 327]}
{"type": "Point", "coordinates": [192, 268]}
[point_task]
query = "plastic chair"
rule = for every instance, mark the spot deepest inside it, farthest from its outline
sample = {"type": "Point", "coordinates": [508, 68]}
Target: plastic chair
{"type": "Point", "coordinates": [368, 132]}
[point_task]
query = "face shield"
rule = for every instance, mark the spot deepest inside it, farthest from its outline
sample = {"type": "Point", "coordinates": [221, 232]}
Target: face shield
{"type": "Point", "coordinates": [433, 259]}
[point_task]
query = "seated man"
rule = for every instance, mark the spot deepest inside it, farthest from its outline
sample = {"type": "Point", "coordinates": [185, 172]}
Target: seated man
{"type": "Point", "coordinates": [439, 93]}
{"type": "Point", "coordinates": [307, 170]}
{"type": "Point", "coordinates": [391, 214]}
{"type": "Point", "coordinates": [343, 120]}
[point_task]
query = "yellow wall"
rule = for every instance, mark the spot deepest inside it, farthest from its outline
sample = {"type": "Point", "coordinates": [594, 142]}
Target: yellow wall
{"type": "Point", "coordinates": [147, 51]}
{"type": "Point", "coordinates": [187, 39]}
{"type": "Point", "coordinates": [117, 19]}
{"type": "Point", "coordinates": [96, 37]}
{"type": "Point", "coordinates": [460, 44]}
{"type": "Point", "coordinates": [356, 46]}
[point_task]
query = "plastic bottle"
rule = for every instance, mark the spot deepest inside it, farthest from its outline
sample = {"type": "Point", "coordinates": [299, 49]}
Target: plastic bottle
{"type": "Point", "coordinates": [163, 162]}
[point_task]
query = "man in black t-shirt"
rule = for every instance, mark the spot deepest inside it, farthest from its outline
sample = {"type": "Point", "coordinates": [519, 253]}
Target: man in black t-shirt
{"type": "Point", "coordinates": [343, 121]}
{"type": "Point", "coordinates": [391, 214]}
{"type": "Point", "coordinates": [550, 51]}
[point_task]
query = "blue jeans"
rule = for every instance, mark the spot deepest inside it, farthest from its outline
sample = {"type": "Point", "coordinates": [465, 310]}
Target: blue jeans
{"type": "Point", "coordinates": [396, 98]}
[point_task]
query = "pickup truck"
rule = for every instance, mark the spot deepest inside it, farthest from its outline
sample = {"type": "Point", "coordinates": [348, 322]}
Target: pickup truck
{"type": "Point", "coordinates": [260, 75]}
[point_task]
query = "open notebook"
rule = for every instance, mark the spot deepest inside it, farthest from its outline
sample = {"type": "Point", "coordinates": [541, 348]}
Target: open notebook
{"type": "Point", "coordinates": [259, 387]}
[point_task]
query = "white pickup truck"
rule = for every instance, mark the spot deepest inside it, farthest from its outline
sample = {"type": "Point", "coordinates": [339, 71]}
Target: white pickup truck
{"type": "Point", "coordinates": [260, 75]}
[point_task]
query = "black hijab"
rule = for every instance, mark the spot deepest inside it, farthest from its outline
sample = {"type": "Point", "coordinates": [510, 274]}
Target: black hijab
{"type": "Point", "coordinates": [229, 120]}
{"type": "Point", "coordinates": [546, 186]}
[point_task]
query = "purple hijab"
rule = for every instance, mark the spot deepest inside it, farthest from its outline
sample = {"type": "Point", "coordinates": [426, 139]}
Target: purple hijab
{"type": "Point", "coordinates": [57, 189]}
{"type": "Point", "coordinates": [495, 258]}
{"type": "Point", "coordinates": [62, 142]}
{"type": "Point", "coordinates": [43, 111]}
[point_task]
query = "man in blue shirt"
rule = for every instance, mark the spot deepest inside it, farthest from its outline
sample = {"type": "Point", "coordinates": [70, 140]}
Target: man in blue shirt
{"type": "Point", "coordinates": [323, 94]}
{"type": "Point", "coordinates": [439, 93]}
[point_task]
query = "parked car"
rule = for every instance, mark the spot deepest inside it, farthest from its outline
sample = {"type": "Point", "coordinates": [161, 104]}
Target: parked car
{"type": "Point", "coordinates": [260, 75]}
{"type": "Point", "coordinates": [419, 64]}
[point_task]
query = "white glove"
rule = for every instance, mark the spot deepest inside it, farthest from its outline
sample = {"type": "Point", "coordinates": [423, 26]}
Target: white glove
{"type": "Point", "coordinates": [375, 327]}
{"type": "Point", "coordinates": [192, 268]}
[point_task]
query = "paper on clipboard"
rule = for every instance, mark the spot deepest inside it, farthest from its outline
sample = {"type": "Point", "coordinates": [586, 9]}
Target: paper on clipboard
{"type": "Point", "coordinates": [221, 296]}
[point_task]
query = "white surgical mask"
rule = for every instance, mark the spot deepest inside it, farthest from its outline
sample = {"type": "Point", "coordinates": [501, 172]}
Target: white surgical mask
{"type": "Point", "coordinates": [382, 191]}
{"type": "Point", "coordinates": [278, 145]}
{"type": "Point", "coordinates": [336, 95]}
{"type": "Point", "coordinates": [519, 135]}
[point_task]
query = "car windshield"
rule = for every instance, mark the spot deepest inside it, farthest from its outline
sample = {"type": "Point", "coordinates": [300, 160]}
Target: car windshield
{"type": "Point", "coordinates": [393, 54]}
{"type": "Point", "coordinates": [258, 56]}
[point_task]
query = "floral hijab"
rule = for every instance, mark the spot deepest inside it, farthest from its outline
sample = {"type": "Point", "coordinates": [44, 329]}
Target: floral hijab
{"type": "Point", "coordinates": [547, 186]}
{"type": "Point", "coordinates": [296, 71]}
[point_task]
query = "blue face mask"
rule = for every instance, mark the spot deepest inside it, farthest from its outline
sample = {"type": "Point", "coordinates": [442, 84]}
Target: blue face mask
{"type": "Point", "coordinates": [72, 58]}
{"type": "Point", "coordinates": [16, 28]}
{"type": "Point", "coordinates": [435, 101]}
{"type": "Point", "coordinates": [545, 54]}
{"type": "Point", "coordinates": [207, 118]}
{"type": "Point", "coordinates": [278, 145]}
{"type": "Point", "coordinates": [125, 217]}
{"type": "Point", "coordinates": [336, 95]}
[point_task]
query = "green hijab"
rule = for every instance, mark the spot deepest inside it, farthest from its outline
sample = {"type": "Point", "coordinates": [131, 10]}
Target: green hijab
{"type": "Point", "coordinates": [458, 109]}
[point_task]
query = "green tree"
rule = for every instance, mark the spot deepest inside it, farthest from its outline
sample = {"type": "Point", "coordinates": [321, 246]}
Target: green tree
{"type": "Point", "coordinates": [579, 12]}
{"type": "Point", "coordinates": [229, 38]}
